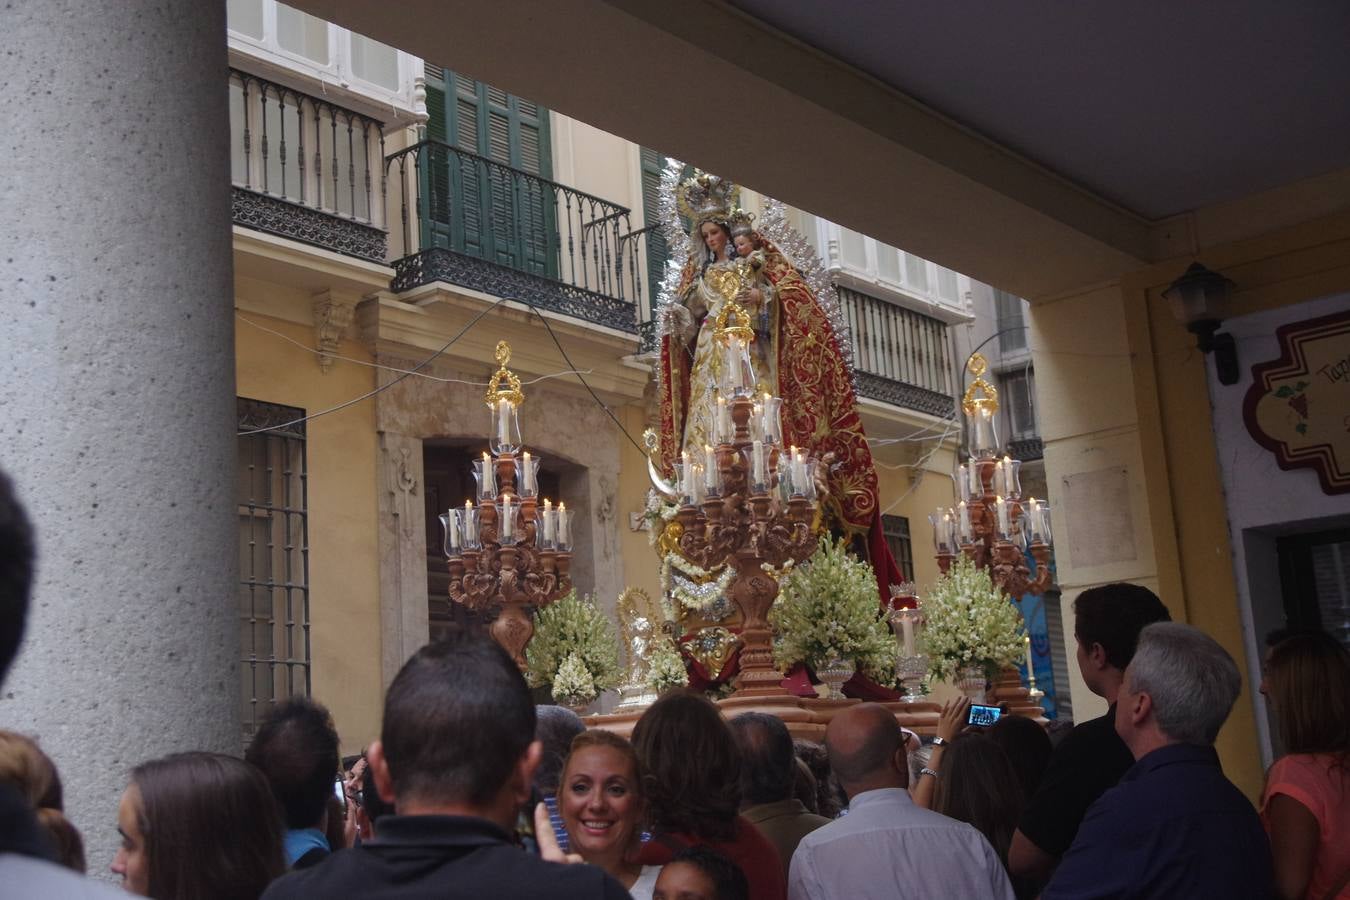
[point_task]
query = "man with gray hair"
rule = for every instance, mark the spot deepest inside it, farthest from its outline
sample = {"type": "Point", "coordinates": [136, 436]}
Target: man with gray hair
{"type": "Point", "coordinates": [1174, 826]}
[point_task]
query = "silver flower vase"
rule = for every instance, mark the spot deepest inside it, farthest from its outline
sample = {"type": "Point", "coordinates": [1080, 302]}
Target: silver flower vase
{"type": "Point", "coordinates": [971, 681]}
{"type": "Point", "coordinates": [834, 673]}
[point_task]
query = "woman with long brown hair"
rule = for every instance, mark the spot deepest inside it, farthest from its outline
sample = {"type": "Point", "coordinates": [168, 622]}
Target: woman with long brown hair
{"type": "Point", "coordinates": [977, 784]}
{"type": "Point", "coordinates": [198, 826]}
{"type": "Point", "coordinates": [692, 782]}
{"type": "Point", "coordinates": [1306, 804]}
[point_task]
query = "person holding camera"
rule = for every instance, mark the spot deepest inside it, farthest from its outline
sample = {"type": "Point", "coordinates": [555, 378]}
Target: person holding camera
{"type": "Point", "coordinates": [456, 756]}
{"type": "Point", "coordinates": [887, 845]}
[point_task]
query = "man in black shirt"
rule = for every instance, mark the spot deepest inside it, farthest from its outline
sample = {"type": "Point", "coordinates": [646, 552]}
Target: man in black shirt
{"type": "Point", "coordinates": [456, 757]}
{"type": "Point", "coordinates": [1092, 758]}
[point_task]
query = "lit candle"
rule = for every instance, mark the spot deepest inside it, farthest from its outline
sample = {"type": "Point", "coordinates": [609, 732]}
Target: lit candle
{"type": "Point", "coordinates": [757, 461]}
{"type": "Point", "coordinates": [1004, 525]}
{"type": "Point", "coordinates": [976, 481]}
{"type": "Point", "coordinates": [757, 420]}
{"type": "Point", "coordinates": [963, 481]}
{"type": "Point", "coordinates": [508, 516]}
{"type": "Point", "coordinates": [1030, 667]}
{"type": "Point", "coordinates": [527, 475]}
{"type": "Point", "coordinates": [709, 468]}
{"type": "Point", "coordinates": [489, 477]}
{"type": "Point", "coordinates": [963, 518]}
{"type": "Point", "coordinates": [1009, 477]}
{"type": "Point", "coordinates": [1034, 518]}
{"type": "Point", "coordinates": [688, 471]}
{"type": "Point", "coordinates": [548, 520]}
{"type": "Point", "coordinates": [907, 626]}
{"type": "Point", "coordinates": [564, 528]}
{"type": "Point", "coordinates": [1000, 479]}
{"type": "Point", "coordinates": [503, 422]}
{"type": "Point", "coordinates": [696, 484]}
{"type": "Point", "coordinates": [470, 532]}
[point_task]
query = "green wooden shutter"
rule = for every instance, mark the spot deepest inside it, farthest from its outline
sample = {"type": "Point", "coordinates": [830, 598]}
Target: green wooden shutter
{"type": "Point", "coordinates": [439, 199]}
{"type": "Point", "coordinates": [489, 211]}
{"type": "Point", "coordinates": [658, 251]}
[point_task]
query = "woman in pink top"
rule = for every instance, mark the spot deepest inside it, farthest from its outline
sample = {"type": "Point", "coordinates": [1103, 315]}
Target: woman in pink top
{"type": "Point", "coordinates": [1306, 805]}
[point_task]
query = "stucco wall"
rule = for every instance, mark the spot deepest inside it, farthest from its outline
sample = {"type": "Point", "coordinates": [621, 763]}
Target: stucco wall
{"type": "Point", "coordinates": [340, 451]}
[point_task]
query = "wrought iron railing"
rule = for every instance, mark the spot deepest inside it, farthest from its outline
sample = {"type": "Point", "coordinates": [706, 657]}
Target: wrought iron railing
{"type": "Point", "coordinates": [1026, 448]}
{"type": "Point", "coordinates": [306, 169]}
{"type": "Point", "coordinates": [900, 356]}
{"type": "Point", "coordinates": [471, 221]}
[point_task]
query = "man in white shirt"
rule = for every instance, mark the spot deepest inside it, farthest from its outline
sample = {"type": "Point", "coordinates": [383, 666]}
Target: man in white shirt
{"type": "Point", "coordinates": [886, 847]}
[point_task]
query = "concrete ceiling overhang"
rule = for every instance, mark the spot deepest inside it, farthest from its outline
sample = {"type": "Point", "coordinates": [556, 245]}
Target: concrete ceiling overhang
{"type": "Point", "coordinates": [707, 82]}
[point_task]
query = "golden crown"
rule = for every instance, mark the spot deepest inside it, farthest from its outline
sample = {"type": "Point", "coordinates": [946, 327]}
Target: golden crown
{"type": "Point", "coordinates": [706, 198]}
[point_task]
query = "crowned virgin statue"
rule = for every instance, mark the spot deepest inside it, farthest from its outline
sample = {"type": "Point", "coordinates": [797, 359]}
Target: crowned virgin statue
{"type": "Point", "coordinates": [796, 354]}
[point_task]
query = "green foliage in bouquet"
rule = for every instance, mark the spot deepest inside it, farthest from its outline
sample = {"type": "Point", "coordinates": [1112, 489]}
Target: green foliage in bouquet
{"type": "Point", "coordinates": [828, 608]}
{"type": "Point", "coordinates": [968, 621]}
{"type": "Point", "coordinates": [574, 649]}
{"type": "Point", "coordinates": [665, 668]}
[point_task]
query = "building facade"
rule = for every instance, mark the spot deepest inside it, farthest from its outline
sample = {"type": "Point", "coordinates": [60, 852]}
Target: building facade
{"type": "Point", "coordinates": [394, 219]}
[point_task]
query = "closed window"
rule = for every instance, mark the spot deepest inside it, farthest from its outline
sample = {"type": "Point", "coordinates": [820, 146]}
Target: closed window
{"type": "Point", "coordinates": [273, 594]}
{"type": "Point", "coordinates": [1018, 390]}
{"type": "Point", "coordinates": [1011, 322]}
{"type": "Point", "coordinates": [896, 531]}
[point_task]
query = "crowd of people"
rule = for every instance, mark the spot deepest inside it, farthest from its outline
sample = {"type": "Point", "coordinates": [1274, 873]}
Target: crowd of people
{"type": "Point", "coordinates": [473, 791]}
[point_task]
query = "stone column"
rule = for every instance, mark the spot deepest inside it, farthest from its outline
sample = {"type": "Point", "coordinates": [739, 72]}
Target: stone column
{"type": "Point", "coordinates": [117, 384]}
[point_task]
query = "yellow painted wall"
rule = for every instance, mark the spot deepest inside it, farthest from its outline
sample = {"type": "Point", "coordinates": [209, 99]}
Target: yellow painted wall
{"type": "Point", "coordinates": [934, 488]}
{"type": "Point", "coordinates": [343, 562]}
{"type": "Point", "coordinates": [1138, 397]}
{"type": "Point", "coordinates": [640, 563]}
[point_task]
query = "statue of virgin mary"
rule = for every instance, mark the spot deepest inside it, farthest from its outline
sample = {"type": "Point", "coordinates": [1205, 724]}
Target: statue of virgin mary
{"type": "Point", "coordinates": [797, 355]}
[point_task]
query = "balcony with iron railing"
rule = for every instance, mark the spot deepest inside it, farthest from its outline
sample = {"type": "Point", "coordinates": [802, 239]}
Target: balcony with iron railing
{"type": "Point", "coordinates": [306, 169]}
{"type": "Point", "coordinates": [473, 222]}
{"type": "Point", "coordinates": [900, 356]}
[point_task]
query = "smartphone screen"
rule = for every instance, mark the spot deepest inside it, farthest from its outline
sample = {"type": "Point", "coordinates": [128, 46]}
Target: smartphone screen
{"type": "Point", "coordinates": [983, 716]}
{"type": "Point", "coordinates": [340, 791]}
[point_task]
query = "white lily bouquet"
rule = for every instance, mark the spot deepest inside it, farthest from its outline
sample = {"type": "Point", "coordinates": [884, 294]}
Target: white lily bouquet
{"type": "Point", "coordinates": [828, 609]}
{"type": "Point", "coordinates": [575, 650]}
{"type": "Point", "coordinates": [969, 622]}
{"type": "Point", "coordinates": [665, 667]}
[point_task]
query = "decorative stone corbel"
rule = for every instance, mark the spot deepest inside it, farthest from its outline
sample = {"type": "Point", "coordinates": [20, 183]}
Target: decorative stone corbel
{"type": "Point", "coordinates": [333, 313]}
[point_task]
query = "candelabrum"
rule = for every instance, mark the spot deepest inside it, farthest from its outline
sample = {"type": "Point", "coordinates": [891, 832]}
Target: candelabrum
{"type": "Point", "coordinates": [993, 524]}
{"type": "Point", "coordinates": [747, 502]}
{"type": "Point", "coordinates": [509, 553]}
{"type": "Point", "coordinates": [905, 618]}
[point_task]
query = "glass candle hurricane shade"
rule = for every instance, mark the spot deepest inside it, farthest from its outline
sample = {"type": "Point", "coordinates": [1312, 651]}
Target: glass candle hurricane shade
{"type": "Point", "coordinates": [983, 434]}
{"type": "Point", "coordinates": [527, 474]}
{"type": "Point", "coordinates": [508, 520]}
{"type": "Point", "coordinates": [505, 426]}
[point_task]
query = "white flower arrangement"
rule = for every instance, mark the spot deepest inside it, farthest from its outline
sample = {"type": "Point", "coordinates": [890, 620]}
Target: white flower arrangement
{"type": "Point", "coordinates": [828, 609]}
{"type": "Point", "coordinates": [658, 513]}
{"type": "Point", "coordinates": [575, 634]}
{"type": "Point", "coordinates": [573, 684]}
{"type": "Point", "coordinates": [968, 621]}
{"type": "Point", "coordinates": [665, 670]}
